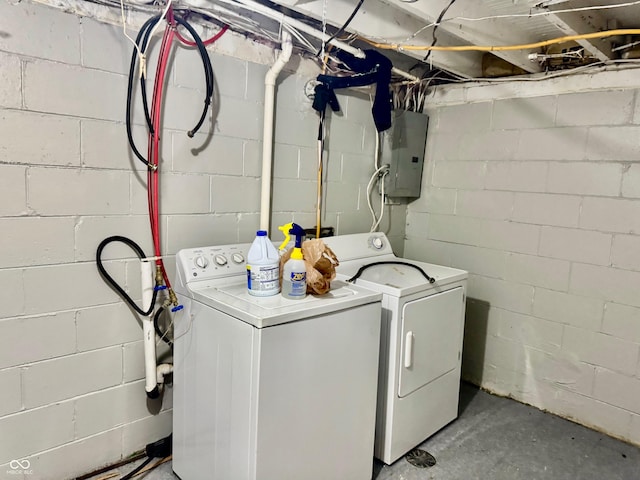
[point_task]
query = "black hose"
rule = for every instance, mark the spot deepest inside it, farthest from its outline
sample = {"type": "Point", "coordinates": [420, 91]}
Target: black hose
{"type": "Point", "coordinates": [208, 72]}
{"type": "Point", "coordinates": [145, 30]}
{"type": "Point", "coordinates": [193, 131]}
{"type": "Point", "coordinates": [143, 81]}
{"type": "Point", "coordinates": [156, 326]}
{"type": "Point", "coordinates": [109, 279]}
{"type": "Point", "coordinates": [142, 42]}
{"type": "Point", "coordinates": [364, 267]}
{"type": "Point", "coordinates": [133, 472]}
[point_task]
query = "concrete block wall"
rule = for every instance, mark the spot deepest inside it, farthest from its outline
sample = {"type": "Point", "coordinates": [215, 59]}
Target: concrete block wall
{"type": "Point", "coordinates": [538, 198]}
{"type": "Point", "coordinates": [349, 144]}
{"type": "Point", "coordinates": [71, 394]}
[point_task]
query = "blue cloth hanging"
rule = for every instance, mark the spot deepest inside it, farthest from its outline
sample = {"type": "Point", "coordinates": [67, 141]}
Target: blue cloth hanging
{"type": "Point", "coordinates": [374, 68]}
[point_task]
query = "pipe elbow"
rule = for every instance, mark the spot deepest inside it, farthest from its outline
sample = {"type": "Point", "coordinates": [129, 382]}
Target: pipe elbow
{"type": "Point", "coordinates": [163, 370]}
{"type": "Point", "coordinates": [281, 61]}
{"type": "Point", "coordinates": [287, 45]}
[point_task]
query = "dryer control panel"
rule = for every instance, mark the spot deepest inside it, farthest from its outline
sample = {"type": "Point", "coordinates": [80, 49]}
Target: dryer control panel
{"type": "Point", "coordinates": [359, 245]}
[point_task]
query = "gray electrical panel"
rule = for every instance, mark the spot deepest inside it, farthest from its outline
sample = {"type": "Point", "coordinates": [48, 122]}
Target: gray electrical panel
{"type": "Point", "coordinates": [403, 148]}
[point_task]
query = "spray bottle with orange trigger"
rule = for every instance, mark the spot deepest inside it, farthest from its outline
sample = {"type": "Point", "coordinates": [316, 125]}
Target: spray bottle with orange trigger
{"type": "Point", "coordinates": [294, 271]}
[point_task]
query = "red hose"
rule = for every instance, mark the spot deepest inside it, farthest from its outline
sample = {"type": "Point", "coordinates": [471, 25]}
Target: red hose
{"type": "Point", "coordinates": [154, 149]}
{"type": "Point", "coordinates": [209, 41]}
{"type": "Point", "coordinates": [153, 178]}
{"type": "Point", "coordinates": [206, 42]}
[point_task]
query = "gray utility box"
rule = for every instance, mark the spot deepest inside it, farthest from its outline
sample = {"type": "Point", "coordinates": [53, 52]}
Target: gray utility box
{"type": "Point", "coordinates": [403, 148]}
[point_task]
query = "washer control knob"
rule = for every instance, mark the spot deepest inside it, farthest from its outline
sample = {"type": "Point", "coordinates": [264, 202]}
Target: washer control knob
{"type": "Point", "coordinates": [201, 261]}
{"type": "Point", "coordinates": [220, 260]}
{"type": "Point", "coordinates": [237, 258]}
{"type": "Point", "coordinates": [377, 243]}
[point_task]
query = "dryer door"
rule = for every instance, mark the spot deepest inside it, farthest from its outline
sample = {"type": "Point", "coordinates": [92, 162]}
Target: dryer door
{"type": "Point", "coordinates": [431, 339]}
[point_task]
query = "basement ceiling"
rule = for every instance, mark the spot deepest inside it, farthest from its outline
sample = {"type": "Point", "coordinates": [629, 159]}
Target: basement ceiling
{"type": "Point", "coordinates": [486, 23]}
{"type": "Point", "coordinates": [403, 30]}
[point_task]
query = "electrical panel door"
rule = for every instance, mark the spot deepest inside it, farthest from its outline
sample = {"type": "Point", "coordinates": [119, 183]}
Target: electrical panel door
{"type": "Point", "coordinates": [403, 148]}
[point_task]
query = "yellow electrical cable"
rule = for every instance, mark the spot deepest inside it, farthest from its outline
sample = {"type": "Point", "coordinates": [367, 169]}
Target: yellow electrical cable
{"type": "Point", "coordinates": [503, 48]}
{"type": "Point", "coordinates": [324, 63]}
{"type": "Point", "coordinates": [320, 156]}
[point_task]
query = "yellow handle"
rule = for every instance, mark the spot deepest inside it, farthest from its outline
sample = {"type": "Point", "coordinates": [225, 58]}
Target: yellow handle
{"type": "Point", "coordinates": [285, 231]}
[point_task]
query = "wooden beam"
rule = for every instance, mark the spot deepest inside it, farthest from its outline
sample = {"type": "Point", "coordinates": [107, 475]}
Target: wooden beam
{"type": "Point", "coordinates": [488, 32]}
{"type": "Point", "coordinates": [576, 23]}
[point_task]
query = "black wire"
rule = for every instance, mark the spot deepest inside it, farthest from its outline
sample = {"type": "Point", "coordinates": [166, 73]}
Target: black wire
{"type": "Point", "coordinates": [344, 26]}
{"type": "Point", "coordinates": [208, 72]}
{"type": "Point", "coordinates": [133, 472]}
{"type": "Point", "coordinates": [433, 32]}
{"type": "Point", "coordinates": [156, 326]}
{"type": "Point", "coordinates": [145, 30]}
{"type": "Point", "coordinates": [109, 279]}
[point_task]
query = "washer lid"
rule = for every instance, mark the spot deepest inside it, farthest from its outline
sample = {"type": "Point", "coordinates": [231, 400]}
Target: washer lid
{"type": "Point", "coordinates": [399, 280]}
{"type": "Point", "coordinates": [230, 296]}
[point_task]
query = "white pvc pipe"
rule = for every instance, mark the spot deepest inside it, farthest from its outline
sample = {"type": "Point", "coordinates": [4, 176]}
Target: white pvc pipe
{"type": "Point", "coordinates": [267, 134]}
{"type": "Point", "coordinates": [163, 370]}
{"type": "Point", "coordinates": [149, 334]}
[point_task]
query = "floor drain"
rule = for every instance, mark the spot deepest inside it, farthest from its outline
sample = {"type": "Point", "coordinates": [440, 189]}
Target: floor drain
{"type": "Point", "coordinates": [420, 458]}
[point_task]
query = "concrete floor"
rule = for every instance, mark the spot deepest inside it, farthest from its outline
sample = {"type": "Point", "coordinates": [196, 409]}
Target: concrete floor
{"type": "Point", "coordinates": [499, 439]}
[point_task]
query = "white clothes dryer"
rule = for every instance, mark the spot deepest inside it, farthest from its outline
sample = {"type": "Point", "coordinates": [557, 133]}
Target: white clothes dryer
{"type": "Point", "coordinates": [423, 309]}
{"type": "Point", "coordinates": [267, 388]}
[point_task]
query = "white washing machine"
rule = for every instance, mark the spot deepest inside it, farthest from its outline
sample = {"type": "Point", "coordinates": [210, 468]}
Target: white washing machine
{"type": "Point", "coordinates": [267, 388]}
{"type": "Point", "coordinates": [421, 340]}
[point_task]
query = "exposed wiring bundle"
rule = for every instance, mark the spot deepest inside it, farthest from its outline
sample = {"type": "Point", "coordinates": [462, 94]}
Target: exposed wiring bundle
{"type": "Point", "coordinates": [341, 29]}
{"type": "Point", "coordinates": [265, 22]}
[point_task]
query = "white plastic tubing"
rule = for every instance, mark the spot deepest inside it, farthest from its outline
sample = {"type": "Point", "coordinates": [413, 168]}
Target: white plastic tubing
{"type": "Point", "coordinates": [267, 134]}
{"type": "Point", "coordinates": [154, 374]}
{"type": "Point", "coordinates": [146, 280]}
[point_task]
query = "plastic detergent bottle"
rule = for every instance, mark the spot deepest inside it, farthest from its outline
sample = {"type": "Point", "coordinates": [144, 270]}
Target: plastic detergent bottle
{"type": "Point", "coordinates": [294, 271]}
{"type": "Point", "coordinates": [263, 267]}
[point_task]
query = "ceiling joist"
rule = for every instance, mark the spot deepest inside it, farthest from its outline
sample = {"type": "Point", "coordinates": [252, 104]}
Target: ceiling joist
{"type": "Point", "coordinates": [462, 30]}
{"type": "Point", "coordinates": [495, 32]}
{"type": "Point", "coordinates": [576, 23]}
{"type": "Point", "coordinates": [382, 22]}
